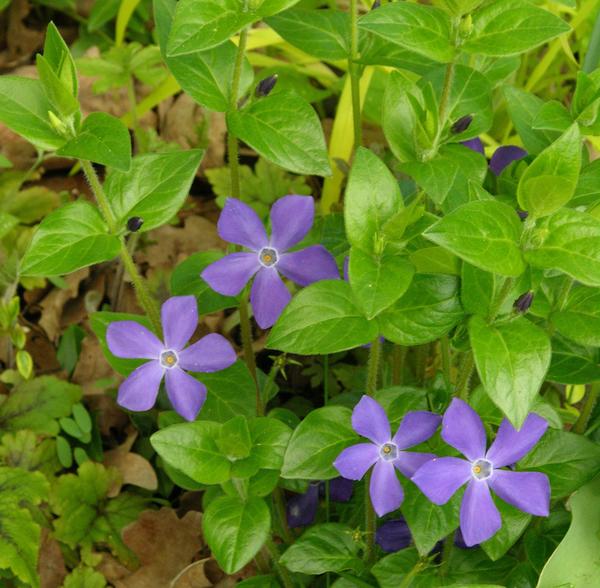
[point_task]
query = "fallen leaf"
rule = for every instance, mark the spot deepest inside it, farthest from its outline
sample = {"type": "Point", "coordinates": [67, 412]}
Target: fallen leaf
{"type": "Point", "coordinates": [51, 564]}
{"type": "Point", "coordinates": [91, 366]}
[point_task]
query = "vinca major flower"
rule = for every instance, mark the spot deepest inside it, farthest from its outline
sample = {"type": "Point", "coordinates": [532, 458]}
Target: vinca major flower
{"type": "Point", "coordinates": [440, 478]}
{"type": "Point", "coordinates": [291, 219]}
{"type": "Point", "coordinates": [385, 452]}
{"type": "Point", "coordinates": [168, 359]}
{"type": "Point", "coordinates": [502, 157]}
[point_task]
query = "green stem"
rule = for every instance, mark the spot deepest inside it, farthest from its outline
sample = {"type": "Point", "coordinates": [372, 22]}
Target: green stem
{"type": "Point", "coordinates": [281, 514]}
{"type": "Point", "coordinates": [398, 357]}
{"type": "Point", "coordinates": [325, 403]}
{"type": "Point", "coordinates": [248, 351]}
{"type": "Point", "coordinates": [370, 524]}
{"type": "Point", "coordinates": [373, 366]}
{"type": "Point", "coordinates": [354, 73]}
{"type": "Point", "coordinates": [283, 572]}
{"type": "Point", "coordinates": [232, 141]}
{"type": "Point", "coordinates": [421, 354]}
{"type": "Point", "coordinates": [588, 406]}
{"type": "Point", "coordinates": [447, 87]}
{"type": "Point", "coordinates": [98, 190]}
{"type": "Point", "coordinates": [464, 375]}
{"type": "Point", "coordinates": [446, 361]}
{"type": "Point", "coordinates": [446, 551]}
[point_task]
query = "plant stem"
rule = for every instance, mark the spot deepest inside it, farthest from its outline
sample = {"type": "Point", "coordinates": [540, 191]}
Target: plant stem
{"type": "Point", "coordinates": [280, 509]}
{"type": "Point", "coordinates": [373, 366]}
{"type": "Point", "coordinates": [588, 406]}
{"type": "Point", "coordinates": [354, 73]}
{"type": "Point", "coordinates": [446, 551]}
{"type": "Point", "coordinates": [464, 376]}
{"type": "Point", "coordinates": [445, 97]}
{"type": "Point", "coordinates": [283, 572]}
{"type": "Point", "coordinates": [398, 357]}
{"type": "Point", "coordinates": [370, 525]}
{"type": "Point", "coordinates": [421, 354]}
{"type": "Point", "coordinates": [446, 361]}
{"type": "Point", "coordinates": [142, 292]}
{"type": "Point", "coordinates": [232, 141]}
{"type": "Point", "coordinates": [248, 351]}
{"type": "Point", "coordinates": [325, 403]}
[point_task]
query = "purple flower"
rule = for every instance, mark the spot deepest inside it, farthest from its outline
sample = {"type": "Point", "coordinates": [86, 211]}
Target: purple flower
{"type": "Point", "coordinates": [440, 478]}
{"type": "Point", "coordinates": [291, 219]}
{"type": "Point", "coordinates": [179, 317]}
{"type": "Point", "coordinates": [502, 157]}
{"type": "Point", "coordinates": [385, 452]}
{"type": "Point", "coordinates": [393, 535]}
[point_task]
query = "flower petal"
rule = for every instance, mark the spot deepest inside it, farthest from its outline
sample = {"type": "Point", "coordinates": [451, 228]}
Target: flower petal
{"type": "Point", "coordinates": [308, 265]}
{"type": "Point", "coordinates": [511, 445]}
{"type": "Point", "coordinates": [179, 318]}
{"type": "Point", "coordinates": [393, 536]}
{"type": "Point", "coordinates": [269, 296]}
{"type": "Point", "coordinates": [504, 156]}
{"type": "Point", "coordinates": [302, 508]}
{"type": "Point", "coordinates": [479, 517]}
{"type": "Point", "coordinates": [340, 489]}
{"type": "Point", "coordinates": [291, 219]}
{"type": "Point", "coordinates": [138, 392]}
{"type": "Point", "coordinates": [441, 477]}
{"type": "Point", "coordinates": [462, 428]}
{"type": "Point", "coordinates": [369, 420]}
{"type": "Point", "coordinates": [408, 462]}
{"type": "Point", "coordinates": [210, 354]}
{"type": "Point", "coordinates": [475, 145]}
{"type": "Point", "coordinates": [187, 395]}
{"type": "Point", "coordinates": [385, 489]}
{"type": "Point", "coordinates": [239, 224]}
{"type": "Point", "coordinates": [131, 340]}
{"type": "Point", "coordinates": [416, 426]}
{"type": "Point", "coordinates": [231, 273]}
{"type": "Point", "coordinates": [354, 461]}
{"type": "Point", "coordinates": [527, 491]}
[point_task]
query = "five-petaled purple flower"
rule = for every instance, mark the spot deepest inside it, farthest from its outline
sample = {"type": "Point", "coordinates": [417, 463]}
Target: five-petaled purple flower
{"type": "Point", "coordinates": [179, 317]}
{"type": "Point", "coordinates": [291, 219]}
{"type": "Point", "coordinates": [386, 452]}
{"type": "Point", "coordinates": [440, 478]}
{"type": "Point", "coordinates": [502, 157]}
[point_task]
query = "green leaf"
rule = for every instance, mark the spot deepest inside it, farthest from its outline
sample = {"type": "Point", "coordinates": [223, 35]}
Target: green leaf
{"type": "Point", "coordinates": [103, 139]}
{"type": "Point", "coordinates": [270, 439]}
{"type": "Point", "coordinates": [69, 347]}
{"type": "Point", "coordinates": [84, 577]}
{"type": "Point", "coordinates": [579, 320]}
{"type": "Point", "coordinates": [429, 309]}
{"type": "Point", "coordinates": [550, 181]}
{"type": "Point", "coordinates": [68, 239]}
{"type": "Point", "coordinates": [233, 439]}
{"type": "Point", "coordinates": [372, 197]}
{"type": "Point", "coordinates": [322, 318]}
{"type": "Point", "coordinates": [322, 33]}
{"type": "Point", "coordinates": [192, 449]}
{"type": "Point", "coordinates": [186, 280]}
{"type": "Point", "coordinates": [37, 405]}
{"type": "Point", "coordinates": [394, 569]}
{"type": "Point", "coordinates": [568, 241]}
{"type": "Point", "coordinates": [284, 129]}
{"type": "Point", "coordinates": [572, 363]}
{"type": "Point", "coordinates": [58, 94]}
{"type": "Point", "coordinates": [514, 522]}
{"type": "Point", "coordinates": [428, 522]}
{"type": "Point", "coordinates": [398, 400]}
{"type": "Point", "coordinates": [329, 547]}
{"type": "Point", "coordinates": [569, 461]}
{"type": "Point", "coordinates": [575, 562]}
{"type": "Point", "coordinates": [423, 29]}
{"type": "Point", "coordinates": [588, 187]}
{"type": "Point", "coordinates": [236, 530]}
{"type": "Point", "coordinates": [509, 27]}
{"type": "Point", "coordinates": [58, 57]}
{"type": "Point", "coordinates": [512, 360]}
{"type": "Point", "coordinates": [316, 443]}
{"type": "Point", "coordinates": [378, 280]}
{"type": "Point", "coordinates": [23, 449]}
{"type": "Point", "coordinates": [485, 233]}
{"type": "Point", "coordinates": [24, 109]}
{"type": "Point", "coordinates": [155, 187]}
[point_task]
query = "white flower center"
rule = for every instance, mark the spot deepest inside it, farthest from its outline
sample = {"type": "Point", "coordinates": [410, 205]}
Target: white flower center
{"type": "Point", "coordinates": [388, 452]}
{"type": "Point", "coordinates": [169, 359]}
{"type": "Point", "coordinates": [482, 469]}
{"type": "Point", "coordinates": [268, 256]}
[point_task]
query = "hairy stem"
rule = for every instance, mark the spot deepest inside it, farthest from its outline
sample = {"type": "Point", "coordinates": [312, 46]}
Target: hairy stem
{"type": "Point", "coordinates": [446, 361]}
{"type": "Point", "coordinates": [445, 97]}
{"type": "Point", "coordinates": [464, 375]}
{"type": "Point", "coordinates": [248, 350]}
{"type": "Point", "coordinates": [421, 355]}
{"type": "Point", "coordinates": [591, 398]}
{"type": "Point", "coordinates": [354, 73]}
{"type": "Point", "coordinates": [279, 504]}
{"type": "Point", "coordinates": [370, 523]}
{"type": "Point", "coordinates": [373, 366]}
{"type": "Point", "coordinates": [398, 357]}
{"type": "Point", "coordinates": [283, 572]}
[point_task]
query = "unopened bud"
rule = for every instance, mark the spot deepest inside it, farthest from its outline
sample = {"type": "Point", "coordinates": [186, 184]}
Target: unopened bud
{"type": "Point", "coordinates": [57, 124]}
{"type": "Point", "coordinates": [134, 224]}
{"type": "Point", "coordinates": [265, 86]}
{"type": "Point", "coordinates": [523, 214]}
{"type": "Point", "coordinates": [462, 124]}
{"type": "Point", "coordinates": [376, 4]}
{"type": "Point", "coordinates": [523, 303]}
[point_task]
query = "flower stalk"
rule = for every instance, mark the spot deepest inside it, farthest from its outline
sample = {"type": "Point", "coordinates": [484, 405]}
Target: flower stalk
{"type": "Point", "coordinates": [249, 357]}
{"type": "Point", "coordinates": [354, 73]}
{"type": "Point", "coordinates": [373, 366]}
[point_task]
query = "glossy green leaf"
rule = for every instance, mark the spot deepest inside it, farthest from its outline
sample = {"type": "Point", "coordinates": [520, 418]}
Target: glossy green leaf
{"type": "Point", "coordinates": [509, 27]}
{"type": "Point", "coordinates": [59, 58]}
{"type": "Point", "coordinates": [395, 568]}
{"type": "Point", "coordinates": [485, 233]}
{"type": "Point", "coordinates": [284, 129]}
{"type": "Point", "coordinates": [579, 320]}
{"type": "Point", "coordinates": [58, 94]}
{"type": "Point", "coordinates": [68, 239]}
{"type": "Point", "coordinates": [550, 181]}
{"type": "Point", "coordinates": [235, 530]}
{"type": "Point", "coordinates": [512, 360]}
{"type": "Point", "coordinates": [514, 522]}
{"type": "Point", "coordinates": [316, 442]}
{"type": "Point", "coordinates": [155, 187]}
{"type": "Point", "coordinates": [573, 363]}
{"type": "Point", "coordinates": [322, 318]}
{"type": "Point", "coordinates": [428, 309]}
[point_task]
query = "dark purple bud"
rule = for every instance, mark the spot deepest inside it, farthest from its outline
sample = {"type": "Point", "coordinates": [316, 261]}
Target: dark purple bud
{"type": "Point", "coordinates": [302, 508]}
{"type": "Point", "coordinates": [523, 214]}
{"type": "Point", "coordinates": [504, 156]}
{"type": "Point", "coordinates": [393, 536]}
{"type": "Point", "coordinates": [265, 86]}
{"type": "Point", "coordinates": [346, 266]}
{"type": "Point", "coordinates": [523, 303]}
{"type": "Point", "coordinates": [376, 4]}
{"type": "Point", "coordinates": [340, 489]}
{"type": "Point", "coordinates": [134, 224]}
{"type": "Point", "coordinates": [475, 145]}
{"type": "Point", "coordinates": [462, 124]}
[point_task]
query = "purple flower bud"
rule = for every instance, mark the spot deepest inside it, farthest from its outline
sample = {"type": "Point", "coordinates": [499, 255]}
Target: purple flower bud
{"type": "Point", "coordinates": [302, 508]}
{"type": "Point", "coordinates": [376, 4]}
{"type": "Point", "coordinates": [340, 489]}
{"type": "Point", "coordinates": [462, 124]}
{"type": "Point", "coordinates": [523, 303]}
{"type": "Point", "coordinates": [265, 86]}
{"type": "Point", "coordinates": [475, 145]}
{"type": "Point", "coordinates": [523, 214]}
{"type": "Point", "coordinates": [134, 224]}
{"type": "Point", "coordinates": [393, 536]}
